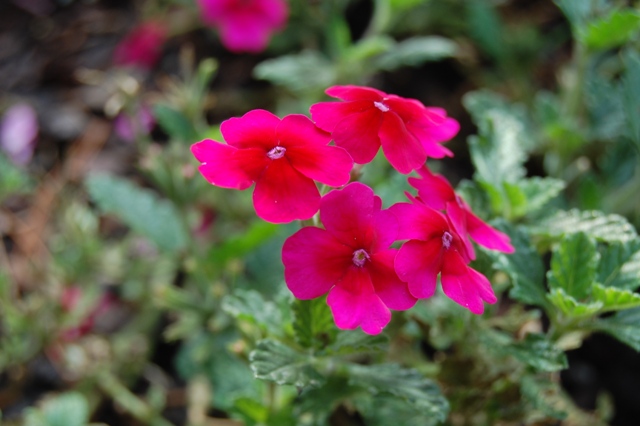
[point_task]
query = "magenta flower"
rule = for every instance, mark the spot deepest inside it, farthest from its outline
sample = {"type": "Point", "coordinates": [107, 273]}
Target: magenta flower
{"type": "Point", "coordinates": [408, 131]}
{"type": "Point", "coordinates": [18, 131]}
{"type": "Point", "coordinates": [283, 157]}
{"type": "Point", "coordinates": [142, 46]}
{"type": "Point", "coordinates": [434, 247]}
{"type": "Point", "coordinates": [350, 259]}
{"type": "Point", "coordinates": [245, 25]}
{"type": "Point", "coordinates": [436, 192]}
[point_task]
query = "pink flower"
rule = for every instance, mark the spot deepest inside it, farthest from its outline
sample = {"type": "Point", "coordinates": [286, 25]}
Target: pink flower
{"type": "Point", "coordinates": [435, 247]}
{"type": "Point", "coordinates": [129, 127]}
{"type": "Point", "coordinates": [18, 131]}
{"type": "Point", "coordinates": [142, 46]}
{"type": "Point", "coordinates": [436, 192]}
{"type": "Point", "coordinates": [245, 25]}
{"type": "Point", "coordinates": [283, 157]}
{"type": "Point", "coordinates": [408, 131]}
{"type": "Point", "coordinates": [350, 259]}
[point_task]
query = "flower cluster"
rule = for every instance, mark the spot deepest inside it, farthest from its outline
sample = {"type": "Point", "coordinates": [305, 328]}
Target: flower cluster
{"type": "Point", "coordinates": [351, 257]}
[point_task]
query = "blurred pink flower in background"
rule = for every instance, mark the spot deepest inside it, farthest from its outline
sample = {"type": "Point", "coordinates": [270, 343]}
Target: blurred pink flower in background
{"type": "Point", "coordinates": [129, 127]}
{"type": "Point", "coordinates": [142, 46]}
{"type": "Point", "coordinates": [18, 131]}
{"type": "Point", "coordinates": [245, 25]}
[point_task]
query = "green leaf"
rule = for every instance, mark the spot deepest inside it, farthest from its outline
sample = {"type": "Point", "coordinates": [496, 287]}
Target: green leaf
{"type": "Point", "coordinates": [540, 353]}
{"type": "Point", "coordinates": [539, 191]}
{"type": "Point", "coordinates": [620, 265]}
{"type": "Point", "coordinates": [571, 307]}
{"type": "Point", "coordinates": [274, 361]}
{"type": "Point", "coordinates": [630, 93]}
{"type": "Point", "coordinates": [300, 73]}
{"type": "Point", "coordinates": [407, 384]}
{"type": "Point", "coordinates": [573, 266]}
{"type": "Point", "coordinates": [140, 209]}
{"type": "Point", "coordinates": [248, 240]}
{"type": "Point", "coordinates": [615, 299]}
{"type": "Point", "coordinates": [352, 341]}
{"type": "Point", "coordinates": [580, 11]}
{"type": "Point", "coordinates": [313, 323]}
{"type": "Point", "coordinates": [251, 410]}
{"type": "Point", "coordinates": [174, 123]}
{"type": "Point", "coordinates": [385, 410]}
{"type": "Point", "coordinates": [415, 51]}
{"type": "Point", "coordinates": [249, 305]}
{"type": "Point", "coordinates": [624, 326]}
{"type": "Point", "coordinates": [524, 267]}
{"type": "Point", "coordinates": [601, 226]}
{"type": "Point", "coordinates": [69, 409]}
{"type": "Point", "coordinates": [611, 30]}
{"type": "Point", "coordinates": [543, 395]}
{"type": "Point", "coordinates": [13, 179]}
{"type": "Point", "coordinates": [486, 28]}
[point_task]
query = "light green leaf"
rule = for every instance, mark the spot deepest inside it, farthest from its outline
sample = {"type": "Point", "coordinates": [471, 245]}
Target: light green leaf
{"type": "Point", "coordinates": [13, 179]}
{"type": "Point", "coordinates": [571, 307]}
{"type": "Point", "coordinates": [516, 198]}
{"type": "Point", "coordinates": [615, 299]}
{"type": "Point", "coordinates": [620, 265]}
{"type": "Point", "coordinates": [624, 326]}
{"type": "Point", "coordinates": [573, 266]}
{"type": "Point", "coordinates": [251, 410]}
{"type": "Point", "coordinates": [408, 384]}
{"type": "Point", "coordinates": [581, 11]}
{"type": "Point", "coordinates": [539, 191]}
{"type": "Point", "coordinates": [385, 410]}
{"type": "Point", "coordinates": [174, 123]}
{"type": "Point", "coordinates": [611, 30]}
{"type": "Point", "coordinates": [239, 245]}
{"type": "Point", "coordinates": [69, 409]}
{"type": "Point", "coordinates": [601, 226]}
{"type": "Point", "coordinates": [300, 73]}
{"type": "Point", "coordinates": [539, 352]}
{"type": "Point", "coordinates": [274, 361]}
{"type": "Point", "coordinates": [369, 47]}
{"type": "Point", "coordinates": [524, 267]}
{"type": "Point", "coordinates": [543, 395]}
{"type": "Point", "coordinates": [249, 305]}
{"type": "Point", "coordinates": [313, 323]}
{"type": "Point", "coordinates": [352, 341]}
{"type": "Point", "coordinates": [140, 209]}
{"type": "Point", "coordinates": [416, 50]}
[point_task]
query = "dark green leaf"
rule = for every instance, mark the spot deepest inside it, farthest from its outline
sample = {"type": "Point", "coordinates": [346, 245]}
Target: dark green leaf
{"type": "Point", "coordinates": [543, 395]}
{"type": "Point", "coordinates": [238, 246]}
{"type": "Point", "coordinates": [611, 30]}
{"type": "Point", "coordinates": [630, 93]}
{"type": "Point", "coordinates": [174, 123]}
{"type": "Point", "coordinates": [249, 305]}
{"type": "Point", "coordinates": [580, 11]}
{"type": "Point", "coordinates": [385, 410]}
{"type": "Point", "coordinates": [313, 323]}
{"type": "Point", "coordinates": [624, 326]}
{"type": "Point", "coordinates": [487, 28]}
{"type": "Point", "coordinates": [620, 265]}
{"type": "Point", "coordinates": [601, 226]}
{"type": "Point", "coordinates": [408, 384]}
{"type": "Point", "coordinates": [615, 299]}
{"type": "Point", "coordinates": [573, 266]}
{"type": "Point", "coordinates": [416, 50]}
{"type": "Point", "coordinates": [140, 209]}
{"type": "Point", "coordinates": [539, 352]}
{"type": "Point", "coordinates": [274, 361]}
{"type": "Point", "coordinates": [524, 267]}
{"type": "Point", "coordinates": [352, 341]}
{"type": "Point", "coordinates": [570, 306]}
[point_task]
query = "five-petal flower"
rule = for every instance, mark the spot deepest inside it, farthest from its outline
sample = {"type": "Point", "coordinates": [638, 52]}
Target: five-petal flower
{"type": "Point", "coordinates": [350, 259]}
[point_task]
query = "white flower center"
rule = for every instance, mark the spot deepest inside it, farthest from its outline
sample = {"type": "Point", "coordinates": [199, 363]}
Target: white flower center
{"type": "Point", "coordinates": [360, 257]}
{"type": "Point", "coordinates": [381, 106]}
{"type": "Point", "coordinates": [277, 152]}
{"type": "Point", "coordinates": [446, 239]}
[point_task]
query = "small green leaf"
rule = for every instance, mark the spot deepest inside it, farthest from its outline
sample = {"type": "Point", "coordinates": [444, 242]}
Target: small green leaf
{"type": "Point", "coordinates": [69, 409]}
{"type": "Point", "coordinates": [416, 50]}
{"type": "Point", "coordinates": [571, 307]}
{"type": "Point", "coordinates": [174, 123]}
{"type": "Point", "coordinates": [407, 384]}
{"type": "Point", "coordinates": [13, 179]}
{"type": "Point", "coordinates": [611, 30]}
{"type": "Point", "coordinates": [615, 299]}
{"type": "Point", "coordinates": [140, 209]}
{"type": "Point", "coordinates": [385, 410]}
{"type": "Point", "coordinates": [249, 305]}
{"type": "Point", "coordinates": [543, 395]}
{"type": "Point", "coordinates": [539, 191]}
{"type": "Point", "coordinates": [540, 353]}
{"type": "Point", "coordinates": [620, 265]}
{"type": "Point", "coordinates": [573, 266]}
{"type": "Point", "coordinates": [630, 93]}
{"type": "Point", "coordinates": [251, 410]}
{"type": "Point", "coordinates": [601, 226]}
{"type": "Point", "coordinates": [624, 326]}
{"type": "Point", "coordinates": [352, 341]}
{"type": "Point", "coordinates": [300, 73]}
{"type": "Point", "coordinates": [524, 267]}
{"type": "Point", "coordinates": [313, 323]}
{"type": "Point", "coordinates": [239, 245]}
{"type": "Point", "coordinates": [274, 361]}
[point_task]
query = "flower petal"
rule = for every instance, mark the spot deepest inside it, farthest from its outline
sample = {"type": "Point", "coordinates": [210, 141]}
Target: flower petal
{"type": "Point", "coordinates": [229, 167]}
{"type": "Point", "coordinates": [354, 303]}
{"type": "Point", "coordinates": [458, 219]}
{"type": "Point", "coordinates": [386, 228]}
{"type": "Point", "coordinates": [297, 130]}
{"type": "Point", "coordinates": [327, 115]}
{"type": "Point", "coordinates": [419, 222]}
{"type": "Point", "coordinates": [388, 286]}
{"type": "Point", "coordinates": [330, 165]}
{"type": "Point", "coordinates": [355, 93]}
{"type": "Point", "coordinates": [488, 236]}
{"type": "Point", "coordinates": [418, 264]}
{"type": "Point", "coordinates": [404, 152]}
{"type": "Point", "coordinates": [283, 194]}
{"type": "Point", "coordinates": [464, 285]}
{"type": "Point", "coordinates": [255, 129]}
{"type": "Point", "coordinates": [348, 215]}
{"type": "Point", "coordinates": [434, 190]}
{"type": "Point", "coordinates": [358, 133]}
{"type": "Point", "coordinates": [313, 262]}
